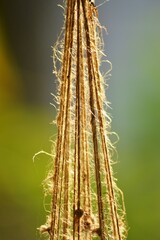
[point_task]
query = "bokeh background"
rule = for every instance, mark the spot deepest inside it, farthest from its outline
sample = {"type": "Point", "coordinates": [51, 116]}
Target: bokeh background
{"type": "Point", "coordinates": [28, 29]}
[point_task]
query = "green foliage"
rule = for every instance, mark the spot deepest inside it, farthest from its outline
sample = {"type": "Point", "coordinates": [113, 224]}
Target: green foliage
{"type": "Point", "coordinates": [24, 132]}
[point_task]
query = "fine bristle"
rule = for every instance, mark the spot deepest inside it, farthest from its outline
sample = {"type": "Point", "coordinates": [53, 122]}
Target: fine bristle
{"type": "Point", "coordinates": [85, 200]}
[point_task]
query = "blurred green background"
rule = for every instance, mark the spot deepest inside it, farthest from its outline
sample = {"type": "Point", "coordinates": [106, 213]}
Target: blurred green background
{"type": "Point", "coordinates": [28, 29]}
